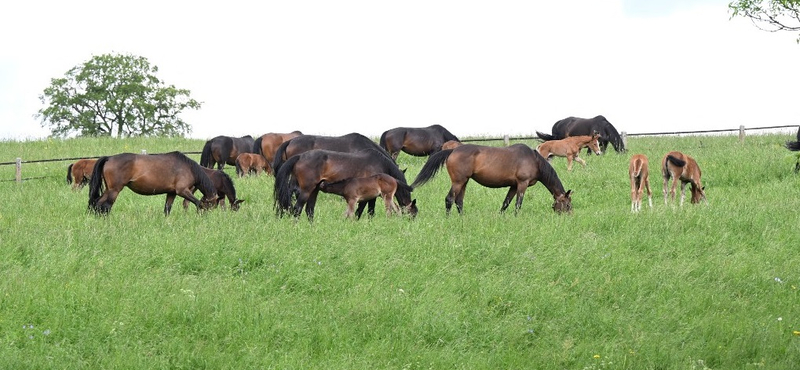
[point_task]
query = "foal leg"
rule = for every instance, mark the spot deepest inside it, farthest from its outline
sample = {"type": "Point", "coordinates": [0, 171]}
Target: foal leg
{"type": "Point", "coordinates": [581, 161]}
{"type": "Point", "coordinates": [649, 192]}
{"type": "Point", "coordinates": [351, 206]}
{"type": "Point", "coordinates": [634, 194]}
{"type": "Point", "coordinates": [569, 163]}
{"type": "Point", "coordinates": [683, 191]}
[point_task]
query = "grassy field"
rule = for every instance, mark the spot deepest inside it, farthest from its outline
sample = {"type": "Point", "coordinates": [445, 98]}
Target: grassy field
{"type": "Point", "coordinates": [710, 286]}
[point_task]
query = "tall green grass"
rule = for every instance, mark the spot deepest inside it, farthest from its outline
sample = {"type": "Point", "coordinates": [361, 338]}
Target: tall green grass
{"type": "Point", "coordinates": [700, 286]}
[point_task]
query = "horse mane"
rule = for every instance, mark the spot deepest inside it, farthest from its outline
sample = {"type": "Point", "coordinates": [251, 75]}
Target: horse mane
{"type": "Point", "coordinates": [227, 186]}
{"type": "Point", "coordinates": [547, 174]}
{"type": "Point", "coordinates": [202, 181]}
{"type": "Point", "coordinates": [445, 133]}
{"type": "Point", "coordinates": [610, 130]}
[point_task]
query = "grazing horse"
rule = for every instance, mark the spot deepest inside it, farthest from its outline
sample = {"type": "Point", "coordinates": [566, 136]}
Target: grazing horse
{"type": "Point", "coordinates": [365, 188]}
{"type": "Point", "coordinates": [247, 163]}
{"type": "Point", "coordinates": [795, 146]}
{"type": "Point", "coordinates": [349, 143]}
{"type": "Point", "coordinates": [225, 189]}
{"type": "Point", "coordinates": [79, 173]}
{"type": "Point", "coordinates": [683, 168]}
{"type": "Point", "coordinates": [451, 144]}
{"type": "Point", "coordinates": [223, 150]}
{"type": "Point", "coordinates": [418, 142]}
{"type": "Point", "coordinates": [574, 126]}
{"type": "Point", "coordinates": [570, 148]}
{"type": "Point", "coordinates": [302, 174]}
{"type": "Point", "coordinates": [640, 180]}
{"type": "Point", "coordinates": [171, 173]}
{"type": "Point", "coordinates": [268, 144]}
{"type": "Point", "coordinates": [517, 166]}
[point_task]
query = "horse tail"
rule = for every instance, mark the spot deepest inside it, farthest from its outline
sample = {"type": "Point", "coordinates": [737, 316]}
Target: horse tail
{"type": "Point", "coordinates": [205, 156]}
{"type": "Point", "coordinates": [793, 145]}
{"type": "Point", "coordinates": [239, 166]}
{"type": "Point", "coordinates": [69, 174]}
{"type": "Point", "coordinates": [382, 141]}
{"type": "Point", "coordinates": [676, 161]}
{"type": "Point", "coordinates": [545, 137]}
{"type": "Point", "coordinates": [278, 161]}
{"type": "Point", "coordinates": [431, 167]}
{"type": "Point", "coordinates": [285, 183]}
{"type": "Point", "coordinates": [637, 167]}
{"type": "Point", "coordinates": [96, 183]}
{"type": "Point", "coordinates": [257, 146]}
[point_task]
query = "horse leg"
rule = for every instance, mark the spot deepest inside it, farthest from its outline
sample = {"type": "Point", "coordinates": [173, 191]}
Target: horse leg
{"type": "Point", "coordinates": [460, 199]}
{"type": "Point", "coordinates": [103, 205]}
{"type": "Point", "coordinates": [360, 209]}
{"type": "Point", "coordinates": [168, 203]}
{"type": "Point", "coordinates": [371, 208]}
{"type": "Point", "coordinates": [581, 161]}
{"type": "Point", "coordinates": [569, 163]}
{"type": "Point", "coordinates": [683, 191]}
{"type": "Point", "coordinates": [452, 197]}
{"type": "Point", "coordinates": [511, 192]}
{"type": "Point", "coordinates": [351, 206]}
{"type": "Point", "coordinates": [388, 202]}
{"type": "Point", "coordinates": [312, 201]}
{"type": "Point", "coordinates": [521, 187]}
{"type": "Point", "coordinates": [675, 181]}
{"type": "Point", "coordinates": [186, 194]}
{"type": "Point", "coordinates": [634, 194]}
{"type": "Point", "coordinates": [649, 192]}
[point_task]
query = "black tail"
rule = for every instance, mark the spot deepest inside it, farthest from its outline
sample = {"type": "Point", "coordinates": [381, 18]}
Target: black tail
{"type": "Point", "coordinates": [545, 137]}
{"type": "Point", "coordinates": [205, 156]}
{"type": "Point", "coordinates": [277, 162]}
{"type": "Point", "coordinates": [257, 146]}
{"type": "Point", "coordinates": [285, 183]}
{"type": "Point", "coordinates": [69, 174]}
{"type": "Point", "coordinates": [793, 145]}
{"type": "Point", "coordinates": [431, 167]}
{"type": "Point", "coordinates": [96, 185]}
{"type": "Point", "coordinates": [382, 141]}
{"type": "Point", "coordinates": [676, 161]}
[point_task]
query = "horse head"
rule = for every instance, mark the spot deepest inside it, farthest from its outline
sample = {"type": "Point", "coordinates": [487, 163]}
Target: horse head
{"type": "Point", "coordinates": [594, 144]}
{"type": "Point", "coordinates": [563, 202]}
{"type": "Point", "coordinates": [410, 209]}
{"type": "Point", "coordinates": [209, 201]}
{"type": "Point", "coordinates": [235, 204]}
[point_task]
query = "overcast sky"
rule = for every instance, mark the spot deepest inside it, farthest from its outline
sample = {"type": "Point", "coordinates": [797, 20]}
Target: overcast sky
{"type": "Point", "coordinates": [475, 67]}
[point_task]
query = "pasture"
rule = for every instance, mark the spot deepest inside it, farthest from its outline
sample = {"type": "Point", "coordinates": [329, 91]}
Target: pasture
{"type": "Point", "coordinates": [709, 286]}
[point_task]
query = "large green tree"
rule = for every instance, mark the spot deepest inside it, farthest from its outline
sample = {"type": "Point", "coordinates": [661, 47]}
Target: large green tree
{"type": "Point", "coordinates": [769, 15]}
{"type": "Point", "coordinates": [114, 95]}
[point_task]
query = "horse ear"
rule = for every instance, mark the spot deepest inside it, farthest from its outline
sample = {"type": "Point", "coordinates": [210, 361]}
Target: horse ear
{"type": "Point", "coordinates": [404, 171]}
{"type": "Point", "coordinates": [568, 193]}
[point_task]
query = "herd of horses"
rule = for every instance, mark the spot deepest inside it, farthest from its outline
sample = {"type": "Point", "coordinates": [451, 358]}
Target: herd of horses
{"type": "Point", "coordinates": [361, 171]}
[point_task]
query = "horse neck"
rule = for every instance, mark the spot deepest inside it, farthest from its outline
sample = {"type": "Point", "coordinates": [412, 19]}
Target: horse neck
{"type": "Point", "coordinates": [549, 178]}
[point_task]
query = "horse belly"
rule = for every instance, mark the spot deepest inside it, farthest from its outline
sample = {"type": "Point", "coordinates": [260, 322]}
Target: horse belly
{"type": "Point", "coordinates": [145, 187]}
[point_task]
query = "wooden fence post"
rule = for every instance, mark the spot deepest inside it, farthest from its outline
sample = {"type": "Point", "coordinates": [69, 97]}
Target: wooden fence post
{"type": "Point", "coordinates": [506, 140]}
{"type": "Point", "coordinates": [741, 133]}
{"type": "Point", "coordinates": [19, 169]}
{"type": "Point", "coordinates": [624, 139]}
{"type": "Point", "coordinates": [144, 151]}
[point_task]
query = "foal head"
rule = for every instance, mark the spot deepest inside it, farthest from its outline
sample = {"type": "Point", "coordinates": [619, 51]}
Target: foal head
{"type": "Point", "coordinates": [563, 202]}
{"type": "Point", "coordinates": [594, 144]}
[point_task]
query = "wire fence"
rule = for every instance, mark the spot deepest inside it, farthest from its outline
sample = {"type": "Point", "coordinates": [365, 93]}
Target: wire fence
{"type": "Point", "coordinates": [506, 139]}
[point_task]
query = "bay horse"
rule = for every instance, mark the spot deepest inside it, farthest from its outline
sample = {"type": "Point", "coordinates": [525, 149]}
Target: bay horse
{"type": "Point", "coordinates": [223, 150]}
{"type": "Point", "coordinates": [79, 173]}
{"type": "Point", "coordinates": [683, 168]}
{"type": "Point", "coordinates": [365, 188]}
{"type": "Point", "coordinates": [170, 173]}
{"type": "Point", "coordinates": [266, 145]}
{"type": "Point", "coordinates": [517, 167]}
{"type": "Point", "coordinates": [301, 175]}
{"type": "Point", "coordinates": [569, 147]}
{"type": "Point", "coordinates": [795, 146]}
{"type": "Point", "coordinates": [247, 163]}
{"type": "Point", "coordinates": [640, 180]}
{"type": "Point", "coordinates": [451, 144]}
{"type": "Point", "coordinates": [225, 189]}
{"type": "Point", "coordinates": [418, 142]}
{"type": "Point", "coordinates": [349, 143]}
{"type": "Point", "coordinates": [574, 126]}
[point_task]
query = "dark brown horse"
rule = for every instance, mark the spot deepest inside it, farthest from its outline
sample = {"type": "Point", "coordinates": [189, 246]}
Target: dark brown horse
{"type": "Point", "coordinates": [795, 146]}
{"type": "Point", "coordinates": [302, 174]}
{"type": "Point", "coordinates": [79, 173]}
{"type": "Point", "coordinates": [517, 167]}
{"type": "Point", "coordinates": [574, 126]}
{"type": "Point", "coordinates": [349, 143]}
{"type": "Point", "coordinates": [683, 168]}
{"type": "Point", "coordinates": [247, 163]}
{"type": "Point", "coordinates": [415, 141]}
{"type": "Point", "coordinates": [223, 150]}
{"type": "Point", "coordinates": [361, 189]}
{"type": "Point", "coordinates": [171, 173]}
{"type": "Point", "coordinates": [225, 189]}
{"type": "Point", "coordinates": [266, 145]}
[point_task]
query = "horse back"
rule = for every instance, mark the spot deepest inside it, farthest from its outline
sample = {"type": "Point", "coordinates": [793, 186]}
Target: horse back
{"type": "Point", "coordinates": [492, 166]}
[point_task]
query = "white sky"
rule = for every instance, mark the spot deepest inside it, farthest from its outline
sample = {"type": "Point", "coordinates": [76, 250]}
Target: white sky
{"type": "Point", "coordinates": [475, 67]}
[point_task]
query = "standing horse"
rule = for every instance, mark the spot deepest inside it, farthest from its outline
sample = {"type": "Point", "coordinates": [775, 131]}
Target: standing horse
{"type": "Point", "coordinates": [570, 148]}
{"type": "Point", "coordinates": [171, 173]}
{"type": "Point", "coordinates": [79, 173]}
{"type": "Point", "coordinates": [266, 145]}
{"type": "Point", "coordinates": [683, 168]}
{"type": "Point", "coordinates": [640, 179]}
{"type": "Point", "coordinates": [304, 172]}
{"type": "Point", "coordinates": [795, 146]}
{"type": "Point", "coordinates": [365, 188]}
{"type": "Point", "coordinates": [574, 126]}
{"type": "Point", "coordinates": [225, 189]}
{"type": "Point", "coordinates": [349, 143]}
{"type": "Point", "coordinates": [517, 166]}
{"type": "Point", "coordinates": [247, 163]}
{"type": "Point", "coordinates": [223, 150]}
{"type": "Point", "coordinates": [415, 141]}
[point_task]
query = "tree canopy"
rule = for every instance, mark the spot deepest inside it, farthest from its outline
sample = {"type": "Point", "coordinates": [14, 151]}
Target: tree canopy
{"type": "Point", "coordinates": [114, 95]}
{"type": "Point", "coordinates": [769, 15]}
